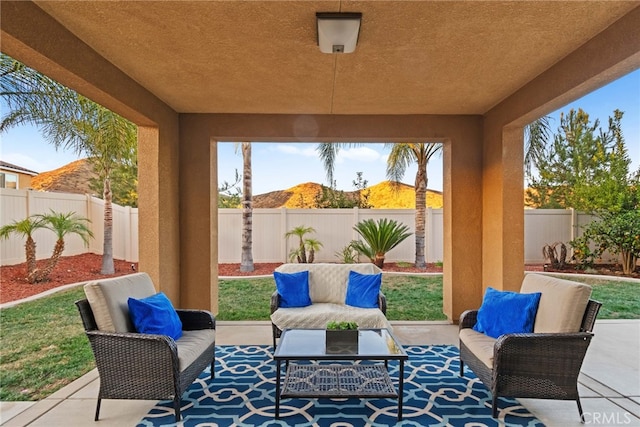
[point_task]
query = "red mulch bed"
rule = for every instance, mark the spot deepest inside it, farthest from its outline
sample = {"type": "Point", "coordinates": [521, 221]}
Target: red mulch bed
{"type": "Point", "coordinates": [70, 269]}
{"type": "Point", "coordinates": [81, 268]}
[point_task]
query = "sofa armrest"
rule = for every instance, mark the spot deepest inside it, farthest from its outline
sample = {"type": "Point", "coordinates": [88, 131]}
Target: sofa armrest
{"type": "Point", "coordinates": [132, 351]}
{"type": "Point", "coordinates": [468, 319]}
{"type": "Point", "coordinates": [196, 319]}
{"type": "Point", "coordinates": [140, 362]}
{"type": "Point", "coordinates": [548, 354]}
{"type": "Point", "coordinates": [275, 301]}
{"type": "Point", "coordinates": [382, 303]}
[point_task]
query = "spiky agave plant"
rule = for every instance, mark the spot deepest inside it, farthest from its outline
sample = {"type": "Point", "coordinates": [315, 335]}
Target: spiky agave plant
{"type": "Point", "coordinates": [379, 238]}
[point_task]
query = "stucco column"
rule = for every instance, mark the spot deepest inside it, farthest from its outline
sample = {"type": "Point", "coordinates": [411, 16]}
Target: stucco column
{"type": "Point", "coordinates": [503, 207]}
{"type": "Point", "coordinates": [158, 212]}
{"type": "Point", "coordinates": [198, 216]}
{"type": "Point", "coordinates": [462, 265]}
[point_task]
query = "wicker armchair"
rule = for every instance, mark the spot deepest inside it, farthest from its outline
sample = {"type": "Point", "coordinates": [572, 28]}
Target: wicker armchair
{"type": "Point", "coordinates": [132, 365]}
{"type": "Point", "coordinates": [542, 365]}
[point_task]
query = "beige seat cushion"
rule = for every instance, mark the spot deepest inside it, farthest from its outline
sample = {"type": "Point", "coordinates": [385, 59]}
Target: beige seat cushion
{"type": "Point", "coordinates": [479, 344]}
{"type": "Point", "coordinates": [562, 304]}
{"type": "Point", "coordinates": [316, 316]}
{"type": "Point", "coordinates": [108, 300]}
{"type": "Point", "coordinates": [191, 345]}
{"type": "Point", "coordinates": [327, 281]}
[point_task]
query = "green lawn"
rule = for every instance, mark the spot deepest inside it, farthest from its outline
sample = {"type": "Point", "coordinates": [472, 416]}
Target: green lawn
{"type": "Point", "coordinates": [44, 346]}
{"type": "Point", "coordinates": [408, 298]}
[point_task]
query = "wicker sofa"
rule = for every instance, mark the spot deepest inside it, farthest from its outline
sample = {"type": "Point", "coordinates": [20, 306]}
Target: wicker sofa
{"type": "Point", "coordinates": [327, 289]}
{"type": "Point", "coordinates": [545, 363]}
{"type": "Point", "coordinates": [133, 365]}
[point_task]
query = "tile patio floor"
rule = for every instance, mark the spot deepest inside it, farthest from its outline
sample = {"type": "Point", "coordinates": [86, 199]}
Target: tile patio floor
{"type": "Point", "coordinates": [609, 383]}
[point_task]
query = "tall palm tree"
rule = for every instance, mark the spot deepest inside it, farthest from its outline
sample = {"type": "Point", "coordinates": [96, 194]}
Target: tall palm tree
{"type": "Point", "coordinates": [246, 262]}
{"type": "Point", "coordinates": [536, 136]}
{"type": "Point", "coordinates": [62, 224]}
{"type": "Point", "coordinates": [401, 157]}
{"type": "Point", "coordinates": [26, 227]}
{"type": "Point", "coordinates": [68, 120]}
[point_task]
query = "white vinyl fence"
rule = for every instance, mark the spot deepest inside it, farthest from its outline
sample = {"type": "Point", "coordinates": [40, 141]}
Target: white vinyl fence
{"type": "Point", "coordinates": [334, 229]}
{"type": "Point", "coordinates": [16, 205]}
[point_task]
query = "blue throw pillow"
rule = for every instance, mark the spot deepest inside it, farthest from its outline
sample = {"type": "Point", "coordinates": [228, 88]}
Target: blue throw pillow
{"type": "Point", "coordinates": [155, 315]}
{"type": "Point", "coordinates": [363, 290]}
{"type": "Point", "coordinates": [293, 289]}
{"type": "Point", "coordinates": [504, 312]}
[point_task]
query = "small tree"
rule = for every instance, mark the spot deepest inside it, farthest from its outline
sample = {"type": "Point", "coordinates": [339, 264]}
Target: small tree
{"type": "Point", "coordinates": [379, 238]}
{"type": "Point", "coordinates": [62, 224]}
{"type": "Point", "coordinates": [229, 194]}
{"type": "Point", "coordinates": [312, 245]}
{"type": "Point", "coordinates": [331, 197]}
{"type": "Point", "coordinates": [619, 233]}
{"type": "Point", "coordinates": [26, 227]}
{"type": "Point", "coordinates": [585, 167]}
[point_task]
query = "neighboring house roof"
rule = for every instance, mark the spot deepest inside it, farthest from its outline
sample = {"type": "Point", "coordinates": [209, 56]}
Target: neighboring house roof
{"type": "Point", "coordinates": [15, 168]}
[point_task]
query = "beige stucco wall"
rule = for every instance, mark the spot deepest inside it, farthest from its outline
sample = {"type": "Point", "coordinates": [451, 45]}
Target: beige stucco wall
{"type": "Point", "coordinates": [177, 181]}
{"type": "Point", "coordinates": [463, 187]}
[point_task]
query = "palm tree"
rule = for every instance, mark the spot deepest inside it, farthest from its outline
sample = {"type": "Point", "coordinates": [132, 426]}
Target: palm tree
{"type": "Point", "coordinates": [379, 238]}
{"type": "Point", "coordinates": [301, 253]}
{"type": "Point", "coordinates": [401, 157]}
{"type": "Point", "coordinates": [536, 137]}
{"type": "Point", "coordinates": [26, 227]}
{"type": "Point", "coordinates": [62, 224]}
{"type": "Point", "coordinates": [312, 245]}
{"type": "Point", "coordinates": [246, 263]}
{"type": "Point", "coordinates": [71, 121]}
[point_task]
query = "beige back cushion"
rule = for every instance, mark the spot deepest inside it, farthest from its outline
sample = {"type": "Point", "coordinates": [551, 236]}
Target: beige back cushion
{"type": "Point", "coordinates": [328, 282]}
{"type": "Point", "coordinates": [562, 304]}
{"type": "Point", "coordinates": [108, 300]}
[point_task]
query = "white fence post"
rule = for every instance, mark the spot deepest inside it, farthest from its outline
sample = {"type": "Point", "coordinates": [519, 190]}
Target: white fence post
{"type": "Point", "coordinates": [283, 230]}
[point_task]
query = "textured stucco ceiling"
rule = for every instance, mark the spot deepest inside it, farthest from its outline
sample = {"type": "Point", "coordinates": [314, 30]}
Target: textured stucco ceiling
{"type": "Point", "coordinates": [413, 57]}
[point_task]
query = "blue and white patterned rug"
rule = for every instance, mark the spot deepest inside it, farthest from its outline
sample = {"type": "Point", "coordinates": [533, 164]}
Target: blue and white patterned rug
{"type": "Point", "coordinates": [242, 394]}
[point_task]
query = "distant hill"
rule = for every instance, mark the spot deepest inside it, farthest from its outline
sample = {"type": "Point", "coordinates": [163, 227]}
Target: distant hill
{"type": "Point", "coordinates": [71, 178]}
{"type": "Point", "coordinates": [382, 196]}
{"type": "Point", "coordinates": [74, 178]}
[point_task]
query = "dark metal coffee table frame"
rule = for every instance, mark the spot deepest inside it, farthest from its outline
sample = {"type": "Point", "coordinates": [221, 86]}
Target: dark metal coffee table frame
{"type": "Point", "coordinates": [312, 379]}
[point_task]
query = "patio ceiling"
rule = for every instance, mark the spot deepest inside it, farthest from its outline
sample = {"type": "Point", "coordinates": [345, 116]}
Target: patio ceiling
{"type": "Point", "coordinates": [413, 57]}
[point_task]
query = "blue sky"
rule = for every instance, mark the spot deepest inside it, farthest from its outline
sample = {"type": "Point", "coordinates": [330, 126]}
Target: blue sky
{"type": "Point", "coordinates": [278, 166]}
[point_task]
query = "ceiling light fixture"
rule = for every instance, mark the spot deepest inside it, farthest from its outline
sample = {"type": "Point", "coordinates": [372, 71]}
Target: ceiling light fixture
{"type": "Point", "coordinates": [337, 31]}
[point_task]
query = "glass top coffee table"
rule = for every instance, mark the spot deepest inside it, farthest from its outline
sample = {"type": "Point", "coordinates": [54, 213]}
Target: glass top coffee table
{"type": "Point", "coordinates": [344, 379]}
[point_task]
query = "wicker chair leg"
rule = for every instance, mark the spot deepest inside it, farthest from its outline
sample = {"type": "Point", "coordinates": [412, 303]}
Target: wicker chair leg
{"type": "Point", "coordinates": [273, 332]}
{"type": "Point", "coordinates": [176, 407]}
{"type": "Point", "coordinates": [461, 368]}
{"type": "Point", "coordinates": [98, 409]}
{"type": "Point", "coordinates": [494, 406]}
{"type": "Point", "coordinates": [213, 372]}
{"type": "Point", "coordinates": [580, 409]}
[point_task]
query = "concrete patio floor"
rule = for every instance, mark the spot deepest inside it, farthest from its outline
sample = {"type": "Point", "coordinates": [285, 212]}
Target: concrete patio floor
{"type": "Point", "coordinates": [609, 383]}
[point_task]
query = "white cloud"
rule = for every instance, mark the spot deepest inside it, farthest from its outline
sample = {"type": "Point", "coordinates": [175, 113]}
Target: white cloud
{"type": "Point", "coordinates": [361, 154]}
{"type": "Point", "coordinates": [294, 149]}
